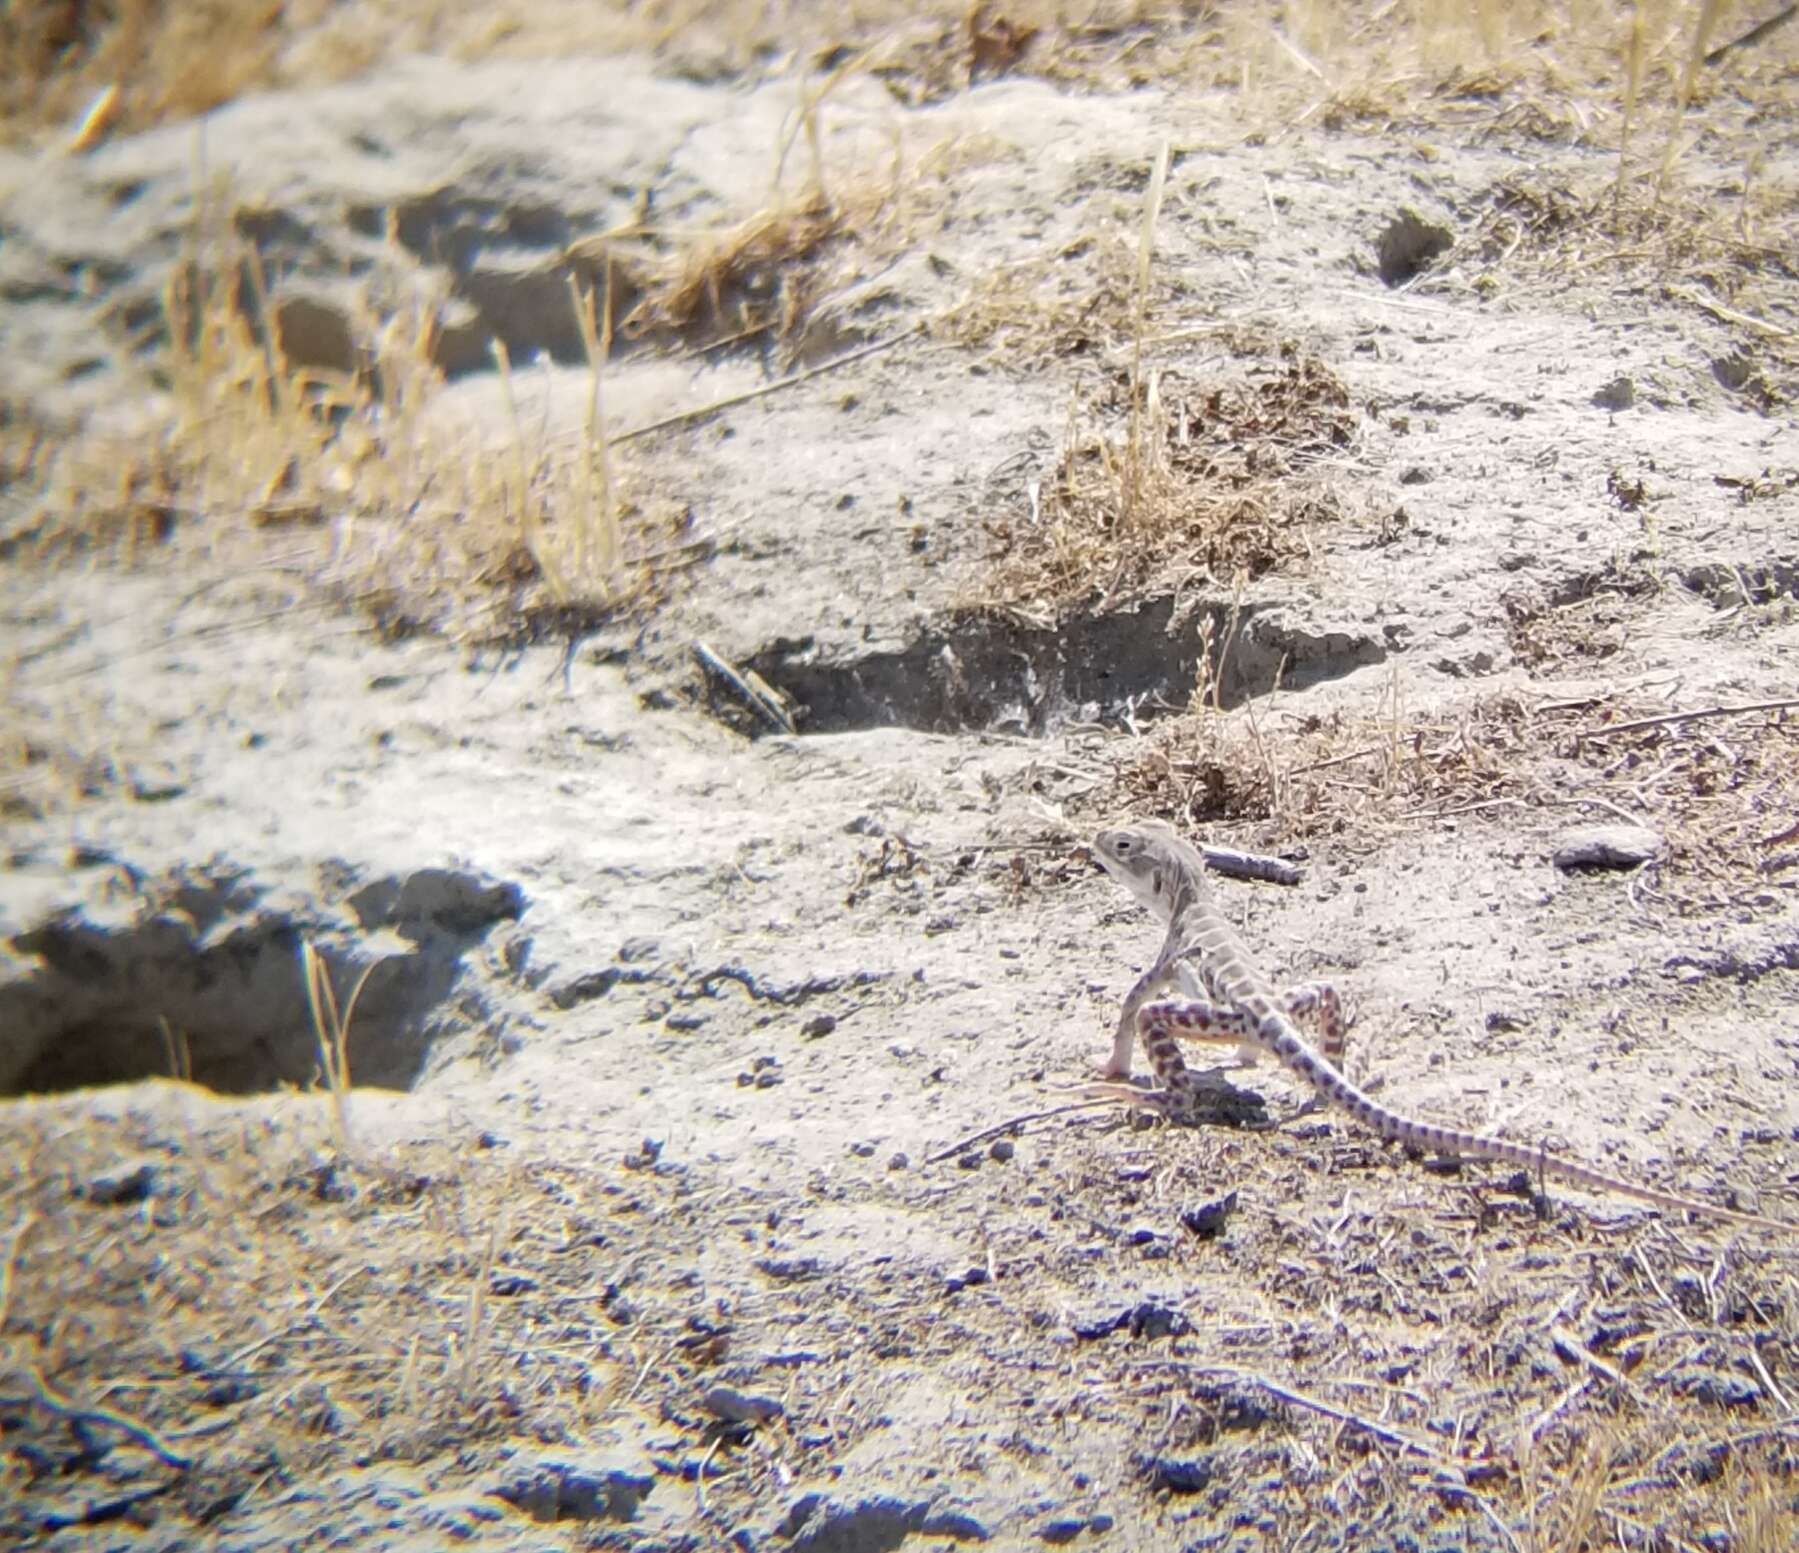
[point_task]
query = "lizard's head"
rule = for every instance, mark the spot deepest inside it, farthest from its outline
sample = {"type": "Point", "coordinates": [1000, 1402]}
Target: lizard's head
{"type": "Point", "coordinates": [1145, 859]}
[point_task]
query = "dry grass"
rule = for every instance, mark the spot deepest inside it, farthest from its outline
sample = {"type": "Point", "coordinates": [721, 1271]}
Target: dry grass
{"type": "Point", "coordinates": [394, 495]}
{"type": "Point", "coordinates": [269, 1307]}
{"type": "Point", "coordinates": [1179, 484]}
{"type": "Point", "coordinates": [1553, 67]}
{"type": "Point", "coordinates": [377, 483]}
{"type": "Point", "coordinates": [362, 477]}
{"type": "Point", "coordinates": [1721, 790]}
{"type": "Point", "coordinates": [1406, 1354]}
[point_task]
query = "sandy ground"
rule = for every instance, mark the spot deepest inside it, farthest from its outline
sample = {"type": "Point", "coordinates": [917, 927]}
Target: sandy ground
{"type": "Point", "coordinates": [631, 1235]}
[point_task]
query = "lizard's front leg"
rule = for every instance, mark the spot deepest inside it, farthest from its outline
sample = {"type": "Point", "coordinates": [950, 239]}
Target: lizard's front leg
{"type": "Point", "coordinates": [1164, 972]}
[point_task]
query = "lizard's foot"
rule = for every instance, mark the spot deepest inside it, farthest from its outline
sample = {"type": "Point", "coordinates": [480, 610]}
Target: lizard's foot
{"type": "Point", "coordinates": [1151, 1099]}
{"type": "Point", "coordinates": [1304, 1109]}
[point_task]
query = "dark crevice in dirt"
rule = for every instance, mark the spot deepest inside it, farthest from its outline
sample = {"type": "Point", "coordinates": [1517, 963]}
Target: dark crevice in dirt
{"type": "Point", "coordinates": [978, 672]}
{"type": "Point", "coordinates": [202, 977]}
{"type": "Point", "coordinates": [1724, 585]}
{"type": "Point", "coordinates": [1732, 965]}
{"type": "Point", "coordinates": [872, 1526]}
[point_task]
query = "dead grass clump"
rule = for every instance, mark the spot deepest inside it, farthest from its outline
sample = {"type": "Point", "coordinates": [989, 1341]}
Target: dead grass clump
{"type": "Point", "coordinates": [1721, 790]}
{"type": "Point", "coordinates": [260, 1308]}
{"type": "Point", "coordinates": [771, 273]}
{"type": "Point", "coordinates": [386, 494]}
{"type": "Point", "coordinates": [1585, 621]}
{"type": "Point", "coordinates": [172, 60]}
{"type": "Point", "coordinates": [1075, 302]}
{"type": "Point", "coordinates": [743, 279]}
{"type": "Point", "coordinates": [1206, 482]}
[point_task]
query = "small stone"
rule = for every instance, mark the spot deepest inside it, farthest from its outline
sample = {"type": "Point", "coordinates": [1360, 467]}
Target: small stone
{"type": "Point", "coordinates": [1003, 1149]}
{"type": "Point", "coordinates": [1619, 394]}
{"type": "Point", "coordinates": [685, 1021]}
{"type": "Point", "coordinates": [818, 1025]}
{"type": "Point", "coordinates": [1208, 1220]}
{"type": "Point", "coordinates": [1178, 1476]}
{"type": "Point", "coordinates": [969, 1160]}
{"type": "Point", "coordinates": [647, 1156]}
{"type": "Point", "coordinates": [769, 1077]}
{"type": "Point", "coordinates": [900, 1161]}
{"type": "Point", "coordinates": [129, 1182]}
{"type": "Point", "coordinates": [741, 1407]}
{"type": "Point", "coordinates": [862, 1150]}
{"type": "Point", "coordinates": [1608, 846]}
{"type": "Point", "coordinates": [1149, 1319]}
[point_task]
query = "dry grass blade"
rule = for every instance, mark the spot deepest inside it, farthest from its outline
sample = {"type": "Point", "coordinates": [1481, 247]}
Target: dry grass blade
{"type": "Point", "coordinates": [602, 504]}
{"type": "Point", "coordinates": [332, 1032]}
{"type": "Point", "coordinates": [1146, 243]}
{"type": "Point", "coordinates": [1202, 481]}
{"type": "Point", "coordinates": [1707, 20]}
{"type": "Point", "coordinates": [130, 1427]}
{"type": "Point", "coordinates": [10, 1261]}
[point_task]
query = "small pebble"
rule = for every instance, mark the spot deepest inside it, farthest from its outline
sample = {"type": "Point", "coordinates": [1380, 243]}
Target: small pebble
{"type": "Point", "coordinates": [969, 1161]}
{"type": "Point", "coordinates": [900, 1161]}
{"type": "Point", "coordinates": [1608, 846]}
{"type": "Point", "coordinates": [741, 1407]}
{"type": "Point", "coordinates": [650, 1153]}
{"type": "Point", "coordinates": [126, 1183]}
{"type": "Point", "coordinates": [1003, 1149]}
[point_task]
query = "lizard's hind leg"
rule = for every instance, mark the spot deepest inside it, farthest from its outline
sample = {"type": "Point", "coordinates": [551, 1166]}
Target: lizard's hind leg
{"type": "Point", "coordinates": [1317, 1003]}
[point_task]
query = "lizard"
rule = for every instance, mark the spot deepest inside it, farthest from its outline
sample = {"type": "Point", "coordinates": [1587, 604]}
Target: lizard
{"type": "Point", "coordinates": [1182, 966]}
{"type": "Point", "coordinates": [1165, 873]}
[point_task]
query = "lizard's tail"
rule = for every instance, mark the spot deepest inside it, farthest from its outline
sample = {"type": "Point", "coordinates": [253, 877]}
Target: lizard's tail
{"type": "Point", "coordinates": [1275, 1034]}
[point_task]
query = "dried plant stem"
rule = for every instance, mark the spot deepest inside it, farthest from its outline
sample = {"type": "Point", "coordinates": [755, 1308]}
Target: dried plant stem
{"type": "Point", "coordinates": [130, 1427]}
{"type": "Point", "coordinates": [1146, 243]}
{"type": "Point", "coordinates": [596, 462]}
{"type": "Point", "coordinates": [1011, 1124]}
{"type": "Point", "coordinates": [332, 1031]}
{"type": "Point", "coordinates": [700, 412]}
{"type": "Point", "coordinates": [1633, 81]}
{"type": "Point", "coordinates": [1709, 12]}
{"type": "Point", "coordinates": [1614, 729]}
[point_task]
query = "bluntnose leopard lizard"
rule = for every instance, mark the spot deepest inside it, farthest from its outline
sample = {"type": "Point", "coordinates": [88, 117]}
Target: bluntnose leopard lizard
{"type": "Point", "coordinates": [1167, 875]}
